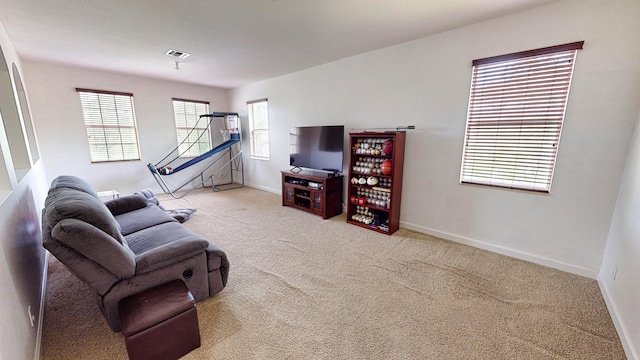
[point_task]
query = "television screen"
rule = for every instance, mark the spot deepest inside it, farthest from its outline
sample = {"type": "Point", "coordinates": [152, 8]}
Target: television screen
{"type": "Point", "coordinates": [317, 147]}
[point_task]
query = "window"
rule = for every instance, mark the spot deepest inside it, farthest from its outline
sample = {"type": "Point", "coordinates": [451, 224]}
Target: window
{"type": "Point", "coordinates": [259, 128]}
{"type": "Point", "coordinates": [516, 110]}
{"type": "Point", "coordinates": [10, 120]}
{"type": "Point", "coordinates": [26, 114]}
{"type": "Point", "coordinates": [111, 125]}
{"type": "Point", "coordinates": [193, 133]}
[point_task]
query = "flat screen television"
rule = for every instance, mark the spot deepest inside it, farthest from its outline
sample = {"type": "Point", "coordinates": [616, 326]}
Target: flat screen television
{"type": "Point", "coordinates": [317, 147]}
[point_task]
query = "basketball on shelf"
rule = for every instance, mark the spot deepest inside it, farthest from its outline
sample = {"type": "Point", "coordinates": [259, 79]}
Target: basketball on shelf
{"type": "Point", "coordinates": [386, 167]}
{"type": "Point", "coordinates": [387, 147]}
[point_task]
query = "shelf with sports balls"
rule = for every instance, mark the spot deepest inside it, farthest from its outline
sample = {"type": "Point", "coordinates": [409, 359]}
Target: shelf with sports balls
{"type": "Point", "coordinates": [375, 180]}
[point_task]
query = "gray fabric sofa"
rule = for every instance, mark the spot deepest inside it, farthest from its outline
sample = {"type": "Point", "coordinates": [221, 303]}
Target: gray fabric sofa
{"type": "Point", "coordinates": [125, 245]}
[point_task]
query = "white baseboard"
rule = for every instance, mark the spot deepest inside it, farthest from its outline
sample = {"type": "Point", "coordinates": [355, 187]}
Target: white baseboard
{"type": "Point", "coordinates": [618, 322]}
{"type": "Point", "coordinates": [578, 270]}
{"type": "Point", "coordinates": [43, 292]}
{"type": "Point", "coordinates": [573, 269]}
{"type": "Point", "coordinates": [264, 188]}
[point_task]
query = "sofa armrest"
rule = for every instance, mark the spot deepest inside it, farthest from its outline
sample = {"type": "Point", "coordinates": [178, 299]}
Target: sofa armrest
{"type": "Point", "coordinates": [217, 259]}
{"type": "Point", "coordinates": [96, 246]}
{"type": "Point", "coordinates": [125, 204]}
{"type": "Point", "coordinates": [169, 253]}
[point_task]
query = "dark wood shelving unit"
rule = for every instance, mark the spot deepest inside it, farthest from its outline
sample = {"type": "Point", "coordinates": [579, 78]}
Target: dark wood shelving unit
{"type": "Point", "coordinates": [374, 203]}
{"type": "Point", "coordinates": [316, 193]}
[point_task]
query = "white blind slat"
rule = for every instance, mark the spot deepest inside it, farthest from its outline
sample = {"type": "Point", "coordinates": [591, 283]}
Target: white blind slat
{"type": "Point", "coordinates": [258, 113]}
{"type": "Point", "coordinates": [514, 120]}
{"type": "Point", "coordinates": [110, 125]}
{"type": "Point", "coordinates": [194, 137]}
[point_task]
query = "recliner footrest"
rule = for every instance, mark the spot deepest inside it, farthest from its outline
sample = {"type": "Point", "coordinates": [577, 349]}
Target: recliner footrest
{"type": "Point", "coordinates": [160, 323]}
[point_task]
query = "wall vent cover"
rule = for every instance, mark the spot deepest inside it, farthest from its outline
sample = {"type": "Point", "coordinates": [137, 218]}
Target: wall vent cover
{"type": "Point", "coordinates": [177, 54]}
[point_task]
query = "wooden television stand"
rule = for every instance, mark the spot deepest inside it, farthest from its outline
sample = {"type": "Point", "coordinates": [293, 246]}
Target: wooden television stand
{"type": "Point", "coordinates": [314, 192]}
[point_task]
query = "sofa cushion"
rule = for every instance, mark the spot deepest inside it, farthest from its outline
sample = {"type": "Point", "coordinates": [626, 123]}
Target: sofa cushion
{"type": "Point", "coordinates": [164, 244]}
{"type": "Point", "coordinates": [66, 203]}
{"type": "Point", "coordinates": [148, 193]}
{"type": "Point", "coordinates": [141, 219]}
{"type": "Point", "coordinates": [97, 246]}
{"type": "Point", "coordinates": [181, 215]}
{"type": "Point", "coordinates": [125, 204]}
{"type": "Point", "coordinates": [73, 182]}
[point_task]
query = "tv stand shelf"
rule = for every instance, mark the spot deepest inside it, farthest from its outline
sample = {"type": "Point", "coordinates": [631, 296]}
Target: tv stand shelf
{"type": "Point", "coordinates": [316, 193]}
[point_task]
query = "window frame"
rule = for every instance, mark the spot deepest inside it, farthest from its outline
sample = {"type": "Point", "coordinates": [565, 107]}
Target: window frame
{"type": "Point", "coordinates": [107, 115]}
{"type": "Point", "coordinates": [196, 119]}
{"type": "Point", "coordinates": [517, 106]}
{"type": "Point", "coordinates": [258, 133]}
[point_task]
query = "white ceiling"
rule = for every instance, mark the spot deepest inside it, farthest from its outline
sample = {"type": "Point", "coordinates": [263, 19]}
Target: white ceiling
{"type": "Point", "coordinates": [232, 42]}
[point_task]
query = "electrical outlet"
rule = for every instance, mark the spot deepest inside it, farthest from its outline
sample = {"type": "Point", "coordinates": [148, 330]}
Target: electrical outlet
{"type": "Point", "coordinates": [32, 317]}
{"type": "Point", "coordinates": [615, 272]}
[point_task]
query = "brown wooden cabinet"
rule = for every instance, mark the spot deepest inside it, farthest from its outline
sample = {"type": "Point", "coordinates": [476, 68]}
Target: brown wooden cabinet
{"type": "Point", "coordinates": [375, 180]}
{"type": "Point", "coordinates": [313, 192]}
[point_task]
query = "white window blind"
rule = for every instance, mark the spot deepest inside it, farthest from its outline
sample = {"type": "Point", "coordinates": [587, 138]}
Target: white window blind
{"type": "Point", "coordinates": [192, 131]}
{"type": "Point", "coordinates": [258, 111]}
{"type": "Point", "coordinates": [110, 124]}
{"type": "Point", "coordinates": [516, 110]}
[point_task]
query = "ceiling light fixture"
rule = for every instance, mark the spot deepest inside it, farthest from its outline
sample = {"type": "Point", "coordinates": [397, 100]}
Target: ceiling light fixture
{"type": "Point", "coordinates": [177, 53]}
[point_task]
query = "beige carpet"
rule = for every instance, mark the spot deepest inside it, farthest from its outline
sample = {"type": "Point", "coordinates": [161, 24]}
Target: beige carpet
{"type": "Point", "coordinates": [305, 288]}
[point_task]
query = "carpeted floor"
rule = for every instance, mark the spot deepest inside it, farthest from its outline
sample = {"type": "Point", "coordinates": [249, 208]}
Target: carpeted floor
{"type": "Point", "coordinates": [305, 288]}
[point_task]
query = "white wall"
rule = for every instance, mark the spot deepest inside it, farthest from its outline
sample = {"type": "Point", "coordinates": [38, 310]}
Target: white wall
{"type": "Point", "coordinates": [22, 257]}
{"type": "Point", "coordinates": [63, 142]}
{"type": "Point", "coordinates": [618, 276]}
{"type": "Point", "coordinates": [426, 83]}
{"type": "Point", "coordinates": [22, 267]}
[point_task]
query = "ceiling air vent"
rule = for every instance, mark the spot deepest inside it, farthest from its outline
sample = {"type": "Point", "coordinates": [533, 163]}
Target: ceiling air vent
{"type": "Point", "coordinates": [177, 54]}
